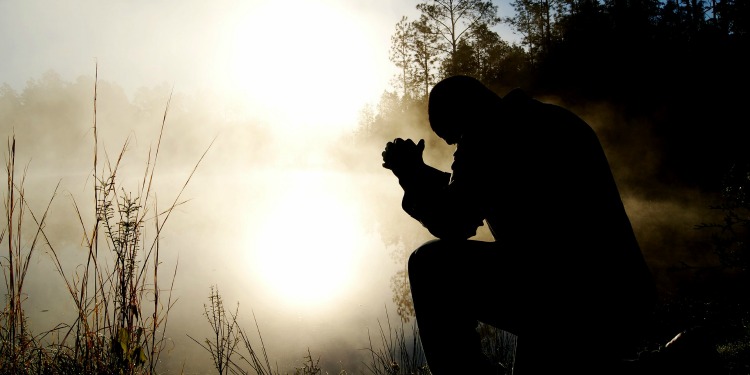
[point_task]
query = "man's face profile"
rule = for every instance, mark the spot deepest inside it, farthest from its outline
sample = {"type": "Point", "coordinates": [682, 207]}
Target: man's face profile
{"type": "Point", "coordinates": [448, 130]}
{"type": "Point", "coordinates": [455, 104]}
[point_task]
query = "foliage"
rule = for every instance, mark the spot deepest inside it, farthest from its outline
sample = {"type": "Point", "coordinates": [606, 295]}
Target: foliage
{"type": "Point", "coordinates": [453, 22]}
{"type": "Point", "coordinates": [449, 37]}
{"type": "Point", "coordinates": [402, 295]}
{"type": "Point", "coordinates": [729, 239]}
{"type": "Point", "coordinates": [714, 301]}
{"type": "Point", "coordinates": [731, 236]}
{"type": "Point", "coordinates": [605, 49]}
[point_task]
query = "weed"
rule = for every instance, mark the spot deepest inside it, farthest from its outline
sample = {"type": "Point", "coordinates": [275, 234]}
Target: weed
{"type": "Point", "coordinates": [114, 332]}
{"type": "Point", "coordinates": [226, 337]}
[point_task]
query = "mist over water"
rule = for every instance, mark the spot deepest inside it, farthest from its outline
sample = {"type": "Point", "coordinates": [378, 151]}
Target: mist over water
{"type": "Point", "coordinates": [299, 229]}
{"type": "Point", "coordinates": [275, 222]}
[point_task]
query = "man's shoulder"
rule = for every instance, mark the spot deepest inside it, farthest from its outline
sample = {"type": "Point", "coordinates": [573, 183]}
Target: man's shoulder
{"type": "Point", "coordinates": [516, 94]}
{"type": "Point", "coordinates": [519, 100]}
{"type": "Point", "coordinates": [522, 109]}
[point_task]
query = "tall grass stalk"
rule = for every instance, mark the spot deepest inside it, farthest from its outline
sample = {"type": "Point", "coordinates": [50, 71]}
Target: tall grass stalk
{"type": "Point", "coordinates": [499, 346]}
{"type": "Point", "coordinates": [18, 348]}
{"type": "Point", "coordinates": [397, 354]}
{"type": "Point", "coordinates": [115, 330]}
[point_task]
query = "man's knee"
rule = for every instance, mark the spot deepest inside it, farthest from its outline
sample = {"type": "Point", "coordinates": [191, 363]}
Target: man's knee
{"type": "Point", "coordinates": [427, 272]}
{"type": "Point", "coordinates": [432, 255]}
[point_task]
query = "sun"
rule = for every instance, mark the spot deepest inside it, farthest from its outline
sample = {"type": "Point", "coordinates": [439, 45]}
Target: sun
{"type": "Point", "coordinates": [304, 64]}
{"type": "Point", "coordinates": [307, 245]}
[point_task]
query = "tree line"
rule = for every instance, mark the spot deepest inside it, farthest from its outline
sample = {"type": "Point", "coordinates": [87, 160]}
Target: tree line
{"type": "Point", "coordinates": [680, 64]}
{"type": "Point", "coordinates": [673, 76]}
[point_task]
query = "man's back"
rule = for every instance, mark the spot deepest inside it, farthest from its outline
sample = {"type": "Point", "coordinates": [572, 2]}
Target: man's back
{"type": "Point", "coordinates": [552, 199]}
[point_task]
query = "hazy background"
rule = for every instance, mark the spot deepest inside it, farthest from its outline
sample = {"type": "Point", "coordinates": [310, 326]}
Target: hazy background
{"type": "Point", "coordinates": [284, 214]}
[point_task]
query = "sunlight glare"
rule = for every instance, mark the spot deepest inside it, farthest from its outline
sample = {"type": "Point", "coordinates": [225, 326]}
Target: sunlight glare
{"type": "Point", "coordinates": [306, 248]}
{"type": "Point", "coordinates": [304, 64]}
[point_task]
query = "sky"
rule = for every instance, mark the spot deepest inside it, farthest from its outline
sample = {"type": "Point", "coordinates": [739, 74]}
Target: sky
{"type": "Point", "coordinates": [264, 53]}
{"type": "Point", "coordinates": [272, 53]}
{"type": "Point", "coordinates": [264, 88]}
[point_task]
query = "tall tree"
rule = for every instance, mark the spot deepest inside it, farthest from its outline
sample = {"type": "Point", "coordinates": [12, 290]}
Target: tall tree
{"type": "Point", "coordinates": [402, 54]}
{"type": "Point", "coordinates": [452, 20]}
{"type": "Point", "coordinates": [540, 22]}
{"type": "Point", "coordinates": [463, 61]}
{"type": "Point", "coordinates": [528, 22]}
{"type": "Point", "coordinates": [425, 56]}
{"type": "Point", "coordinates": [633, 19]}
{"type": "Point", "coordinates": [489, 53]}
{"type": "Point", "coordinates": [489, 58]}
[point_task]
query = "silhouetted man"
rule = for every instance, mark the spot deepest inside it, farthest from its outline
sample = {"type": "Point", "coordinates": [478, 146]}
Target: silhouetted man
{"type": "Point", "coordinates": [565, 272]}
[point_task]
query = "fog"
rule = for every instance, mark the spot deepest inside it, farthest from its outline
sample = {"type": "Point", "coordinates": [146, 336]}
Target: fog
{"type": "Point", "coordinates": [281, 211]}
{"type": "Point", "coordinates": [277, 225]}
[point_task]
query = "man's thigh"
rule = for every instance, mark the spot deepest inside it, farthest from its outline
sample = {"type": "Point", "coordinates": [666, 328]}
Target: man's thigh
{"type": "Point", "coordinates": [476, 276]}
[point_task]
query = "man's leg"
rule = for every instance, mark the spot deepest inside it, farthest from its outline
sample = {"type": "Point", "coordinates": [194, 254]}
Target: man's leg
{"type": "Point", "coordinates": [453, 284]}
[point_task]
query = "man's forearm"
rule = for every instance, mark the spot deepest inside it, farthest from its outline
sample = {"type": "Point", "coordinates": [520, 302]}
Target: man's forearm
{"type": "Point", "coordinates": [429, 200]}
{"type": "Point", "coordinates": [421, 189]}
{"type": "Point", "coordinates": [424, 177]}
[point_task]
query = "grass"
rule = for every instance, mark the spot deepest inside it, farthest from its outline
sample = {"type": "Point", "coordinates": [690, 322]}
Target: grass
{"type": "Point", "coordinates": [233, 352]}
{"type": "Point", "coordinates": [396, 353]}
{"type": "Point", "coordinates": [117, 330]}
{"type": "Point", "coordinates": [397, 350]}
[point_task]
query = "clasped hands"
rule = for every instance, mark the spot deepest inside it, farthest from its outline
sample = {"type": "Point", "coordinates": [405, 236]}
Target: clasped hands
{"type": "Point", "coordinates": [403, 156]}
